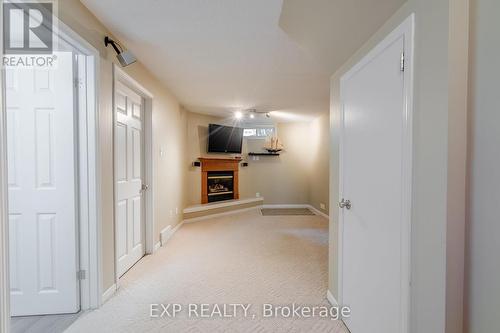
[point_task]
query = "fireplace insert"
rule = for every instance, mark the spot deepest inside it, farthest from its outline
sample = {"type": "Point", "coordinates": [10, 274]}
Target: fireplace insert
{"type": "Point", "coordinates": [220, 185]}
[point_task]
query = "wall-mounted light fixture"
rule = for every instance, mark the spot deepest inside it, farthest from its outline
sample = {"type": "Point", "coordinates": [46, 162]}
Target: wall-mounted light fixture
{"type": "Point", "coordinates": [125, 58]}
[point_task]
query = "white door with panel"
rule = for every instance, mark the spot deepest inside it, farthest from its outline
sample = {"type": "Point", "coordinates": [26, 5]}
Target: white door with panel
{"type": "Point", "coordinates": [42, 180]}
{"type": "Point", "coordinates": [129, 152]}
{"type": "Point", "coordinates": [375, 178]}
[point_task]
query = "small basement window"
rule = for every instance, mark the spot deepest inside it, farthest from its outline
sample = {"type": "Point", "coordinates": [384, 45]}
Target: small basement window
{"type": "Point", "coordinates": [259, 132]}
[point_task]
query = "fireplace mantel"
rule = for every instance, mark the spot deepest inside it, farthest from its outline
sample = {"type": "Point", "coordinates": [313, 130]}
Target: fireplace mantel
{"type": "Point", "coordinates": [218, 164]}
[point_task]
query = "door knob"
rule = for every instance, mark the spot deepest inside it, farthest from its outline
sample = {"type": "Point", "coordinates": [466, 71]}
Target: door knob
{"type": "Point", "coordinates": [144, 188]}
{"type": "Point", "coordinates": [345, 204]}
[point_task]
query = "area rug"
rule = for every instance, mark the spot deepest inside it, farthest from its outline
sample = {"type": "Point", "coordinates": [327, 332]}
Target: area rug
{"type": "Point", "coordinates": [286, 211]}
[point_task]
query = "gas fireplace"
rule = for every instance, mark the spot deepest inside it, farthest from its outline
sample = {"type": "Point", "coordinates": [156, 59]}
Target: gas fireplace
{"type": "Point", "coordinates": [219, 179]}
{"type": "Point", "coordinates": [220, 186]}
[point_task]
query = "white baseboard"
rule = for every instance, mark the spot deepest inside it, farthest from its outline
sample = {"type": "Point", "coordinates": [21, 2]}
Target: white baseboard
{"type": "Point", "coordinates": [311, 207]}
{"type": "Point", "coordinates": [157, 247]}
{"type": "Point", "coordinates": [331, 299]}
{"type": "Point", "coordinates": [108, 293]}
{"type": "Point", "coordinates": [166, 234]}
{"type": "Point", "coordinates": [206, 217]}
{"type": "Point", "coordinates": [174, 230]}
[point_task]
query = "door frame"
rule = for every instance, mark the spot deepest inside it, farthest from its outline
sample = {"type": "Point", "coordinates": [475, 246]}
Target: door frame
{"type": "Point", "coordinates": [405, 29]}
{"type": "Point", "coordinates": [4, 230]}
{"type": "Point", "coordinates": [120, 75]}
{"type": "Point", "coordinates": [88, 187]}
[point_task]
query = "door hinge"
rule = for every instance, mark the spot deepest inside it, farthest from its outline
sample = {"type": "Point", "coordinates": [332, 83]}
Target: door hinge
{"type": "Point", "coordinates": [81, 275]}
{"type": "Point", "coordinates": [402, 61]}
{"type": "Point", "coordinates": [78, 82]}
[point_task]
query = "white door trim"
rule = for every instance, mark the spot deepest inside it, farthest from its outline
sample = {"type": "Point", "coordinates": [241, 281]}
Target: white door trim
{"type": "Point", "coordinates": [120, 75]}
{"type": "Point", "coordinates": [406, 29]}
{"type": "Point", "coordinates": [89, 168]}
{"type": "Point", "coordinates": [4, 231]}
{"type": "Point", "coordinates": [89, 172]}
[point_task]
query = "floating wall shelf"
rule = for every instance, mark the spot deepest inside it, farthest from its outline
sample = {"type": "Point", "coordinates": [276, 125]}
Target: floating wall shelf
{"type": "Point", "coordinates": [263, 154]}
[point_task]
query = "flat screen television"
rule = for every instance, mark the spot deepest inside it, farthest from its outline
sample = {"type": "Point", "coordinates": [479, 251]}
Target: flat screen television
{"type": "Point", "coordinates": [224, 139]}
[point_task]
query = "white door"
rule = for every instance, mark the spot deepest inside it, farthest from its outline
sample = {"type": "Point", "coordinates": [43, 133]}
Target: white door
{"type": "Point", "coordinates": [42, 186]}
{"type": "Point", "coordinates": [129, 220]}
{"type": "Point", "coordinates": [374, 147]}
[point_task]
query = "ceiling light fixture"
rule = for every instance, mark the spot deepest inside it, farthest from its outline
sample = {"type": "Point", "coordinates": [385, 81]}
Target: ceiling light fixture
{"type": "Point", "coordinates": [238, 115]}
{"type": "Point", "coordinates": [124, 57]}
{"type": "Point", "coordinates": [252, 116]}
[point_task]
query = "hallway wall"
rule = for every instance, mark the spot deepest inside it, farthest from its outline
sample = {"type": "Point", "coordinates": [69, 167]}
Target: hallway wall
{"type": "Point", "coordinates": [483, 268]}
{"type": "Point", "coordinates": [169, 130]}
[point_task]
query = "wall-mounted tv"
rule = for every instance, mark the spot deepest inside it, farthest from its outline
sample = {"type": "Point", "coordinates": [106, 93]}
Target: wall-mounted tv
{"type": "Point", "coordinates": [224, 139]}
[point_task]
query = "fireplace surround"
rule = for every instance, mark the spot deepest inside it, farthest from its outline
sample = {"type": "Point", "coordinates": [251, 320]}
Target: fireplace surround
{"type": "Point", "coordinates": [219, 179]}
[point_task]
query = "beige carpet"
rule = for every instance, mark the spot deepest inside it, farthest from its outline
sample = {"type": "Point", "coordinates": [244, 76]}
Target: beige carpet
{"type": "Point", "coordinates": [243, 258]}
